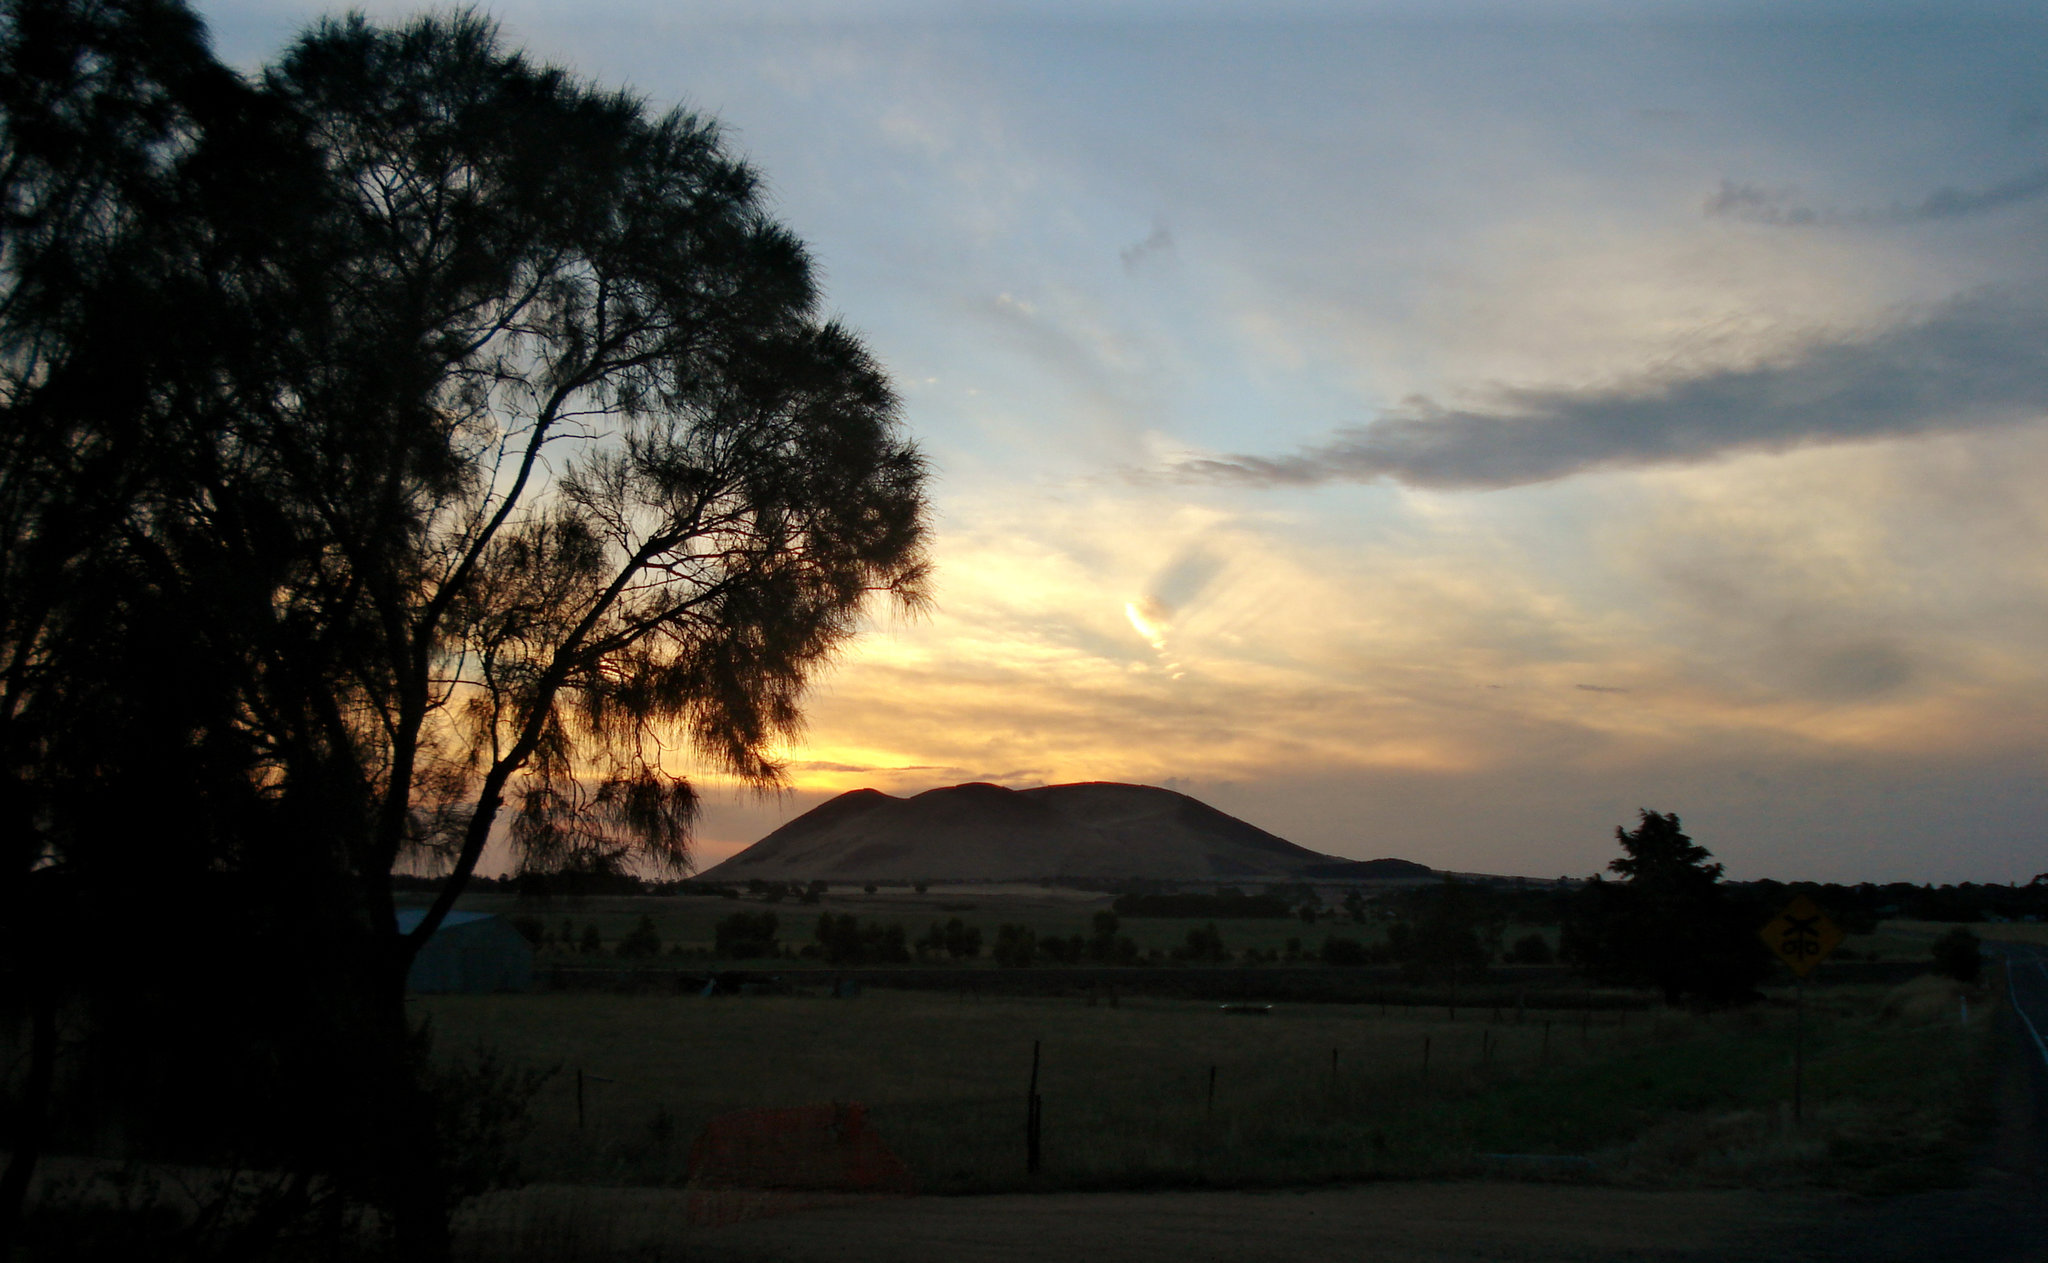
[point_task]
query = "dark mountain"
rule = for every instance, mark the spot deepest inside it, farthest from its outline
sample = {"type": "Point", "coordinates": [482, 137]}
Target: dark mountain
{"type": "Point", "coordinates": [1096, 831]}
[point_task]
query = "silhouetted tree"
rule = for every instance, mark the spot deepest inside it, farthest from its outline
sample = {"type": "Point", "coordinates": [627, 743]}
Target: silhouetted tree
{"type": "Point", "coordinates": [1444, 943]}
{"type": "Point", "coordinates": [1346, 952]}
{"type": "Point", "coordinates": [745, 935]}
{"type": "Point", "coordinates": [1015, 946]}
{"type": "Point", "coordinates": [1667, 923]}
{"type": "Point", "coordinates": [1204, 946]}
{"type": "Point", "coordinates": [471, 432]}
{"type": "Point", "coordinates": [642, 942]}
{"type": "Point", "coordinates": [1958, 955]}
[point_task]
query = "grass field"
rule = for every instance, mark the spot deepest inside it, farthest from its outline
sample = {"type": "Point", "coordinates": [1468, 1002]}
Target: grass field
{"type": "Point", "coordinates": [688, 922]}
{"type": "Point", "coordinates": [1659, 1098]}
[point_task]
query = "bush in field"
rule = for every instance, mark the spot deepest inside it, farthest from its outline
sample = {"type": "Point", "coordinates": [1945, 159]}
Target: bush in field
{"type": "Point", "coordinates": [1958, 955]}
{"type": "Point", "coordinates": [642, 942]}
{"type": "Point", "coordinates": [1204, 947]}
{"type": "Point", "coordinates": [1443, 943]}
{"type": "Point", "coordinates": [962, 940]}
{"type": "Point", "coordinates": [844, 940]}
{"type": "Point", "coordinates": [1106, 946]}
{"type": "Point", "coordinates": [1015, 946]}
{"type": "Point", "coordinates": [592, 942]}
{"type": "Point", "coordinates": [1071, 950]}
{"type": "Point", "coordinates": [955, 939]}
{"type": "Point", "coordinates": [1343, 951]}
{"type": "Point", "coordinates": [1354, 907]}
{"type": "Point", "coordinates": [745, 935]}
{"type": "Point", "coordinates": [483, 1111]}
{"type": "Point", "coordinates": [532, 929]}
{"type": "Point", "coordinates": [1531, 949]}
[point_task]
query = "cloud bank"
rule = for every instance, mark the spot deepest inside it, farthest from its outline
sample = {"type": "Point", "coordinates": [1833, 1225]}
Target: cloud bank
{"type": "Point", "coordinates": [1753, 204]}
{"type": "Point", "coordinates": [1978, 362]}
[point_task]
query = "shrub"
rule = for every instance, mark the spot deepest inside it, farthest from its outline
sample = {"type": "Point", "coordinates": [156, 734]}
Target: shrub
{"type": "Point", "coordinates": [844, 940]}
{"type": "Point", "coordinates": [482, 1108]}
{"type": "Point", "coordinates": [1348, 952]}
{"type": "Point", "coordinates": [1063, 951]}
{"type": "Point", "coordinates": [642, 942]}
{"type": "Point", "coordinates": [1204, 946]}
{"type": "Point", "coordinates": [1531, 949]}
{"type": "Point", "coordinates": [745, 935]}
{"type": "Point", "coordinates": [592, 942]}
{"type": "Point", "coordinates": [1958, 955]}
{"type": "Point", "coordinates": [532, 929]}
{"type": "Point", "coordinates": [954, 939]}
{"type": "Point", "coordinates": [1015, 946]}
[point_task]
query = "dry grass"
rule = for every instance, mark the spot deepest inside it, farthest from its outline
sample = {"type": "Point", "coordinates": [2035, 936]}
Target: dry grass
{"type": "Point", "coordinates": [1659, 1099]}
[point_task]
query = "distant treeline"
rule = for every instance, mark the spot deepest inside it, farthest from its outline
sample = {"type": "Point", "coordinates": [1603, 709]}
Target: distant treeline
{"type": "Point", "coordinates": [1856, 908]}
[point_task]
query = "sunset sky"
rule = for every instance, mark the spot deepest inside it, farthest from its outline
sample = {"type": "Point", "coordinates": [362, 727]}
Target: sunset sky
{"type": "Point", "coordinates": [1428, 429]}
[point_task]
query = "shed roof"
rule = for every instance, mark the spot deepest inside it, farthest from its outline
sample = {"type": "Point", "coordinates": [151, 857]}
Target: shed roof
{"type": "Point", "coordinates": [409, 918]}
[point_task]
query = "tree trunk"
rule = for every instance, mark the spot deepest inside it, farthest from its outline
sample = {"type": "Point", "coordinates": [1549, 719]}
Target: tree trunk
{"type": "Point", "coordinates": [35, 1116]}
{"type": "Point", "coordinates": [408, 1141]}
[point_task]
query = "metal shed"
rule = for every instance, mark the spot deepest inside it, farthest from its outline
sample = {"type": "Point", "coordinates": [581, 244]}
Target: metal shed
{"type": "Point", "coordinates": [472, 953]}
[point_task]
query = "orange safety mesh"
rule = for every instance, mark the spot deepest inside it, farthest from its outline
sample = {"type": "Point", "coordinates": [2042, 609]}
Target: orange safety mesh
{"type": "Point", "coordinates": [761, 1161]}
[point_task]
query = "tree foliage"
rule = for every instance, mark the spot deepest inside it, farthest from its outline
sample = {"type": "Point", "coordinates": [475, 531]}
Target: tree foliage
{"type": "Point", "coordinates": [412, 435]}
{"type": "Point", "coordinates": [1668, 923]}
{"type": "Point", "coordinates": [1958, 954]}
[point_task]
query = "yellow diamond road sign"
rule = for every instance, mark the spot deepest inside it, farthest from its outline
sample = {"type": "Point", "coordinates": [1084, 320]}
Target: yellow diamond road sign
{"type": "Point", "coordinates": [1802, 936]}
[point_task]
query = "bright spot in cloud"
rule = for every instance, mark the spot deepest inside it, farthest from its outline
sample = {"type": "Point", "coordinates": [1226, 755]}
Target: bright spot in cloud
{"type": "Point", "coordinates": [1152, 628]}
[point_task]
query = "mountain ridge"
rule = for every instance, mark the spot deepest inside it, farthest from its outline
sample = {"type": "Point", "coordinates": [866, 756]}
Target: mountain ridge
{"type": "Point", "coordinates": [1088, 830]}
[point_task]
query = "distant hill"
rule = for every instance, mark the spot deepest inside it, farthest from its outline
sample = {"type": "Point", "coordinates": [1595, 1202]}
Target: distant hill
{"type": "Point", "coordinates": [1095, 831]}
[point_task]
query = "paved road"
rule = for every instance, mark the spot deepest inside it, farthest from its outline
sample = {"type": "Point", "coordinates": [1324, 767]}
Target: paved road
{"type": "Point", "coordinates": [2027, 976]}
{"type": "Point", "coordinates": [2026, 973]}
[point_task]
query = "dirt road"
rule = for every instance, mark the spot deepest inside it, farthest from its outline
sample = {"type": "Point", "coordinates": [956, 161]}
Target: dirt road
{"type": "Point", "coordinates": [1385, 1223]}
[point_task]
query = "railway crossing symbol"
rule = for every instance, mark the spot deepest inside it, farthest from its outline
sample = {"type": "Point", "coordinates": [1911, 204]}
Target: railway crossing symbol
{"type": "Point", "coordinates": [1802, 936]}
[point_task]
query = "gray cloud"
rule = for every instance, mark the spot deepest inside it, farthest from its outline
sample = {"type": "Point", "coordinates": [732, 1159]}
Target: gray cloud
{"type": "Point", "coordinates": [1754, 204]}
{"type": "Point", "coordinates": [1159, 242]}
{"type": "Point", "coordinates": [1977, 362]}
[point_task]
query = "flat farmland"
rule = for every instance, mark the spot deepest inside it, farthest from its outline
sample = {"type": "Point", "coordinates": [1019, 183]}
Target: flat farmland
{"type": "Point", "coordinates": [688, 924]}
{"type": "Point", "coordinates": [1656, 1099]}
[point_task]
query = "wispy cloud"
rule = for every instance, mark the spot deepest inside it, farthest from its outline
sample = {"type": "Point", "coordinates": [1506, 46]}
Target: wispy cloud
{"type": "Point", "coordinates": [1977, 362]}
{"type": "Point", "coordinates": [1158, 242]}
{"type": "Point", "coordinates": [1757, 205]}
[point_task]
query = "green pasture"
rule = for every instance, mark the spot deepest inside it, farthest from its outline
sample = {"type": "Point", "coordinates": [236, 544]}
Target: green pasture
{"type": "Point", "coordinates": [1656, 1098]}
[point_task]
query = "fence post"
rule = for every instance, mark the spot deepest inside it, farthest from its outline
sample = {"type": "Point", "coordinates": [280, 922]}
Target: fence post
{"type": "Point", "coordinates": [1425, 1058]}
{"type": "Point", "coordinates": [1033, 1107]}
{"type": "Point", "coordinates": [579, 1098]}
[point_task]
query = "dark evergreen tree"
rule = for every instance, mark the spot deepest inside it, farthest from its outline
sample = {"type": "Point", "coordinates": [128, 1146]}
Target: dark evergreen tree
{"type": "Point", "coordinates": [1667, 923]}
